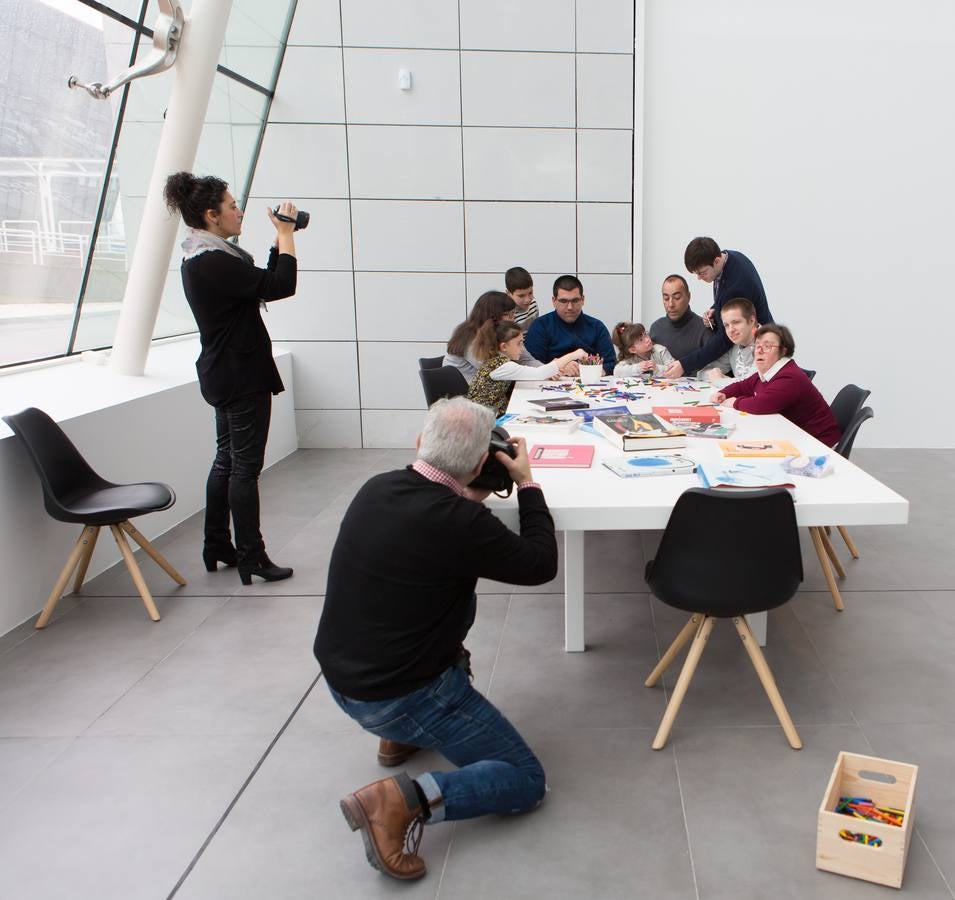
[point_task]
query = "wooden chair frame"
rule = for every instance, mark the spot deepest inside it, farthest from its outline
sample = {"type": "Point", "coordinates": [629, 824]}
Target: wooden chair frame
{"type": "Point", "coordinates": [82, 553]}
{"type": "Point", "coordinates": [698, 629]}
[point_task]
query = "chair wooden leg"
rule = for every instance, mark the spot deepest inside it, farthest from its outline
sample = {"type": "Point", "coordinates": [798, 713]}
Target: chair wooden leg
{"type": "Point", "coordinates": [683, 682]}
{"type": "Point", "coordinates": [79, 548]}
{"type": "Point", "coordinates": [824, 562]}
{"type": "Point", "coordinates": [768, 682]}
{"type": "Point", "coordinates": [137, 576]}
{"type": "Point", "coordinates": [679, 642]}
{"type": "Point", "coordinates": [849, 542]}
{"type": "Point", "coordinates": [160, 560]}
{"type": "Point", "coordinates": [86, 557]}
{"type": "Point", "coordinates": [831, 553]}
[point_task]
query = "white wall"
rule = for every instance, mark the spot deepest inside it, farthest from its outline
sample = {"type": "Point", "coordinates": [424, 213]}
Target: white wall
{"type": "Point", "coordinates": [514, 147]}
{"type": "Point", "coordinates": [818, 139]}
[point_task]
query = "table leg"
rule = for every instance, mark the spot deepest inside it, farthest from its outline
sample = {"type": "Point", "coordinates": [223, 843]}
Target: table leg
{"type": "Point", "coordinates": [757, 624]}
{"type": "Point", "coordinates": [573, 591]}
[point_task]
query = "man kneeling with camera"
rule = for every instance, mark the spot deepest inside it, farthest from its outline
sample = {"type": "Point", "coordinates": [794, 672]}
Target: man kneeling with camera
{"type": "Point", "coordinates": [399, 602]}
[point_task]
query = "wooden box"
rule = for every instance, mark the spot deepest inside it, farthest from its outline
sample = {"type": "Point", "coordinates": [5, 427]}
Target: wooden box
{"type": "Point", "coordinates": [886, 783]}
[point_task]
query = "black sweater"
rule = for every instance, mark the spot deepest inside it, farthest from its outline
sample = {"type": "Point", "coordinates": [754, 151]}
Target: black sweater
{"type": "Point", "coordinates": [224, 293]}
{"type": "Point", "coordinates": [402, 573]}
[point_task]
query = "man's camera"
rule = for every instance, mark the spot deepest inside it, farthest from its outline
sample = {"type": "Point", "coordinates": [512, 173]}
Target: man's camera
{"type": "Point", "coordinates": [300, 220]}
{"type": "Point", "coordinates": [493, 476]}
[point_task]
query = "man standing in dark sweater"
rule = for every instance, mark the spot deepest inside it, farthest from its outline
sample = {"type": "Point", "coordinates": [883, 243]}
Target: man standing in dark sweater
{"type": "Point", "coordinates": [399, 601]}
{"type": "Point", "coordinates": [733, 276]}
{"type": "Point", "coordinates": [681, 330]}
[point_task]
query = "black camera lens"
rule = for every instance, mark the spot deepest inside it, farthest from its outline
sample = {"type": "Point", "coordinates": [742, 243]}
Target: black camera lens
{"type": "Point", "coordinates": [301, 218]}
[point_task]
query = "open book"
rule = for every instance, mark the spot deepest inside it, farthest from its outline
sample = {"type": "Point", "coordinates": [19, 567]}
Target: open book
{"type": "Point", "coordinates": [744, 474]}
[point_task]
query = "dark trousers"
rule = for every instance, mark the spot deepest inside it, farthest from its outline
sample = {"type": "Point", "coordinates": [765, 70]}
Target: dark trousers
{"type": "Point", "coordinates": [242, 429]}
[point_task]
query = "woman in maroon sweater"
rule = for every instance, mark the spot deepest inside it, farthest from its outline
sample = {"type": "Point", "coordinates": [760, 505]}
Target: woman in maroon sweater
{"type": "Point", "coordinates": [779, 386]}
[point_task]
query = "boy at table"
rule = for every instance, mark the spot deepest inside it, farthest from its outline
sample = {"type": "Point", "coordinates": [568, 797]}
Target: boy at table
{"type": "Point", "coordinates": [780, 386]}
{"type": "Point", "coordinates": [520, 288]}
{"type": "Point", "coordinates": [739, 322]}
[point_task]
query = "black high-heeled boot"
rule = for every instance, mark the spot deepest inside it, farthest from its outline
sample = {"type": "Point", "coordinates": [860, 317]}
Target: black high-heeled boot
{"type": "Point", "coordinates": [225, 554]}
{"type": "Point", "coordinates": [264, 568]}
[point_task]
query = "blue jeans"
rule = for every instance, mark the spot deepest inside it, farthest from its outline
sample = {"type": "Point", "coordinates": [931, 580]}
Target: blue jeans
{"type": "Point", "coordinates": [497, 772]}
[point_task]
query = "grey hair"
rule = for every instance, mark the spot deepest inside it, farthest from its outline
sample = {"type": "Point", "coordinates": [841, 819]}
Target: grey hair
{"type": "Point", "coordinates": [456, 432]}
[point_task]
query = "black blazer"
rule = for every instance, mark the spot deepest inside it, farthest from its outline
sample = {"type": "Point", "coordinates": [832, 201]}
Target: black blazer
{"type": "Point", "coordinates": [224, 293]}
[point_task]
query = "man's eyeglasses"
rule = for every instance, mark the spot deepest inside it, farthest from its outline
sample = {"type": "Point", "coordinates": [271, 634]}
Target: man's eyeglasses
{"type": "Point", "coordinates": [576, 301]}
{"type": "Point", "coordinates": [767, 347]}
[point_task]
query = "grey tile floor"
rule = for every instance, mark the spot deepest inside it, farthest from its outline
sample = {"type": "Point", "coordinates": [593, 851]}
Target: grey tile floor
{"type": "Point", "coordinates": [201, 757]}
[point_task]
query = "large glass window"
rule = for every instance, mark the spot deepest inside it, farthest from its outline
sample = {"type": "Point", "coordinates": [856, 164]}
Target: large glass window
{"type": "Point", "coordinates": [70, 207]}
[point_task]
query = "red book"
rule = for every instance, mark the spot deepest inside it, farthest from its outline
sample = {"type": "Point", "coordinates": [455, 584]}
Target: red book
{"type": "Point", "coordinates": [684, 415]}
{"type": "Point", "coordinates": [562, 456]}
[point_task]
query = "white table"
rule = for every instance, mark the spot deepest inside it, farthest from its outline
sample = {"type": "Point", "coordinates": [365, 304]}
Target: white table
{"type": "Point", "coordinates": [596, 499]}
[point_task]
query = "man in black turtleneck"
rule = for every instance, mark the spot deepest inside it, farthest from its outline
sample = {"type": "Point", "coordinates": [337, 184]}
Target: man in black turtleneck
{"type": "Point", "coordinates": [681, 330]}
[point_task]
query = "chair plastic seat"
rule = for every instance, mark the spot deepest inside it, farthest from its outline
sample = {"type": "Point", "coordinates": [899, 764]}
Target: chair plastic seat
{"type": "Point", "coordinates": [115, 503]}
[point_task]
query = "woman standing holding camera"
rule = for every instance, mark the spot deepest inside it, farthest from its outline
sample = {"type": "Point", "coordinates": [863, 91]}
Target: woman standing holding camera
{"type": "Point", "coordinates": [237, 374]}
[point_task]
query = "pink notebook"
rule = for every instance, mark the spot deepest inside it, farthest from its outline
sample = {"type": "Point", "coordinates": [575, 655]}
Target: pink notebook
{"type": "Point", "coordinates": [562, 456]}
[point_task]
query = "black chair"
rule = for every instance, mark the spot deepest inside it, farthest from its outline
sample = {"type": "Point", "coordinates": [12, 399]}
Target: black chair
{"type": "Point", "coordinates": [446, 381]}
{"type": "Point", "coordinates": [810, 373]}
{"type": "Point", "coordinates": [846, 405]}
{"type": "Point", "coordinates": [844, 448]}
{"type": "Point", "coordinates": [690, 572]}
{"type": "Point", "coordinates": [73, 492]}
{"type": "Point", "coordinates": [430, 362]}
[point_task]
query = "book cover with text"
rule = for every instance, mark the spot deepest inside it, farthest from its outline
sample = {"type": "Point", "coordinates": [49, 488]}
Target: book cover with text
{"type": "Point", "coordinates": [562, 456]}
{"type": "Point", "coordinates": [757, 447]}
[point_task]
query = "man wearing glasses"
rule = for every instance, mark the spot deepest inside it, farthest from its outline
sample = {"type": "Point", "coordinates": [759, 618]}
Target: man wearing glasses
{"type": "Point", "coordinates": [569, 328]}
{"type": "Point", "coordinates": [732, 275]}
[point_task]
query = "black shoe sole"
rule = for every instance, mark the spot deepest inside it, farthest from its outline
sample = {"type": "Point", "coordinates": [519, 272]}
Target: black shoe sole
{"type": "Point", "coordinates": [358, 821]}
{"type": "Point", "coordinates": [265, 575]}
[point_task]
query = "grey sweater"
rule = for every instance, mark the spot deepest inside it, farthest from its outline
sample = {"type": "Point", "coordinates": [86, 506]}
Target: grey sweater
{"type": "Point", "coordinates": [681, 337]}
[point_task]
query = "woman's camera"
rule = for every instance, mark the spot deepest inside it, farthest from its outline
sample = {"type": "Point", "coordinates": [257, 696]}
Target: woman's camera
{"type": "Point", "coordinates": [300, 220]}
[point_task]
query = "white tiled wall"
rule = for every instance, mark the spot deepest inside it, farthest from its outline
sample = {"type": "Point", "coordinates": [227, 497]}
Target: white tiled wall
{"type": "Point", "coordinates": [513, 147]}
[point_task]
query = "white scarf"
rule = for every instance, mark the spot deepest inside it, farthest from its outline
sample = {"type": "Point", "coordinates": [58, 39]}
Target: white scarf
{"type": "Point", "coordinates": [200, 241]}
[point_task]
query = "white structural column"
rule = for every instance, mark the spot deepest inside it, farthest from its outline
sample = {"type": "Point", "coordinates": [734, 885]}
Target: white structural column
{"type": "Point", "coordinates": [195, 70]}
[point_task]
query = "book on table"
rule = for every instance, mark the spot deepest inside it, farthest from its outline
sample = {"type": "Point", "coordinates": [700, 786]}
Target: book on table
{"type": "Point", "coordinates": [638, 466]}
{"type": "Point", "coordinates": [549, 404]}
{"type": "Point", "coordinates": [587, 415]}
{"type": "Point", "coordinates": [686, 415]}
{"type": "Point", "coordinates": [744, 475]}
{"type": "Point", "coordinates": [562, 456]}
{"type": "Point", "coordinates": [716, 430]}
{"type": "Point", "coordinates": [638, 431]}
{"type": "Point", "coordinates": [542, 424]}
{"type": "Point", "coordinates": [757, 447]}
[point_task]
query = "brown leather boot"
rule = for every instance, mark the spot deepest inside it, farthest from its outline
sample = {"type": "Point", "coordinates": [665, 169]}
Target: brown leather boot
{"type": "Point", "coordinates": [391, 753]}
{"type": "Point", "coordinates": [389, 814]}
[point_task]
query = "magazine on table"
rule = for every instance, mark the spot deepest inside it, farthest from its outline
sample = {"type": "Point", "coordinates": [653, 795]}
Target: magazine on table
{"type": "Point", "coordinates": [709, 431]}
{"type": "Point", "coordinates": [743, 474]}
{"type": "Point", "coordinates": [640, 466]}
{"type": "Point", "coordinates": [543, 423]}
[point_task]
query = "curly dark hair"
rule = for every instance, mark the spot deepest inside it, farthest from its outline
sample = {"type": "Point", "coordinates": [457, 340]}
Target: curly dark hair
{"type": "Point", "coordinates": [191, 196]}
